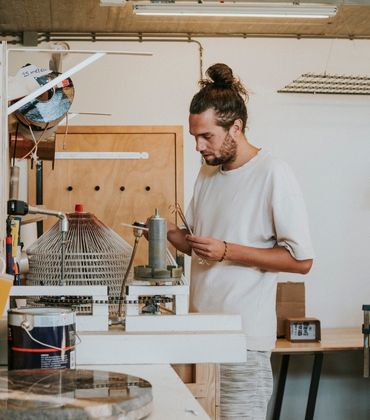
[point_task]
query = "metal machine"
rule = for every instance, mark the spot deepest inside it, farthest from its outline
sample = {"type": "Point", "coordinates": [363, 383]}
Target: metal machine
{"type": "Point", "coordinates": [158, 282]}
{"type": "Point", "coordinates": [85, 265]}
{"type": "Point", "coordinates": [20, 208]}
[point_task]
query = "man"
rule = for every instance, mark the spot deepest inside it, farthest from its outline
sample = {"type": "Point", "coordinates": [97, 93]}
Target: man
{"type": "Point", "coordinates": [249, 222]}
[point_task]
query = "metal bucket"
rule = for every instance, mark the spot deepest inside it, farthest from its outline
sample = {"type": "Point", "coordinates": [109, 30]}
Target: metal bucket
{"type": "Point", "coordinates": [41, 338]}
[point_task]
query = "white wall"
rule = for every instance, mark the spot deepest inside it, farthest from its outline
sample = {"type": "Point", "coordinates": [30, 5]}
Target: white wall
{"type": "Point", "coordinates": [325, 138]}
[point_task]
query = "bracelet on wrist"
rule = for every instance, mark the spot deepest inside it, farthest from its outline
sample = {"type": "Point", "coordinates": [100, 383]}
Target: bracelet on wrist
{"type": "Point", "coordinates": [225, 252]}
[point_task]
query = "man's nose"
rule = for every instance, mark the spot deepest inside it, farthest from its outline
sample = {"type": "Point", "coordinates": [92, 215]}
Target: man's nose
{"type": "Point", "coordinates": [200, 145]}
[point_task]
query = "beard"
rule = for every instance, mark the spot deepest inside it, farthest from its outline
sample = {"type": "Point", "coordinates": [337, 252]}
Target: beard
{"type": "Point", "coordinates": [227, 152]}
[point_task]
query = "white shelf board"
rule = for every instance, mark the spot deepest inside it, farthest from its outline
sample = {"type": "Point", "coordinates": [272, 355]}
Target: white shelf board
{"type": "Point", "coordinates": [117, 347]}
{"type": "Point", "coordinates": [188, 322]}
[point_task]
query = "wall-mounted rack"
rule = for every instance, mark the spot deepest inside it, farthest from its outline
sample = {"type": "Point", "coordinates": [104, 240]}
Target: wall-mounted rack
{"type": "Point", "coordinates": [330, 84]}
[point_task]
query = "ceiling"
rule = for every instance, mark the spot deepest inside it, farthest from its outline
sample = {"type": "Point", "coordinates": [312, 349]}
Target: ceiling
{"type": "Point", "coordinates": [23, 21]}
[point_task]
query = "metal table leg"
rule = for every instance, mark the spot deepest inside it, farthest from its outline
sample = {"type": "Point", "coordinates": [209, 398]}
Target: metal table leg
{"type": "Point", "coordinates": [281, 386]}
{"type": "Point", "coordinates": [314, 386]}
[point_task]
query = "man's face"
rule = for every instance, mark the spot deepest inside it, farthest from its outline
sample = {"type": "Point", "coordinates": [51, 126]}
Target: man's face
{"type": "Point", "coordinates": [216, 144]}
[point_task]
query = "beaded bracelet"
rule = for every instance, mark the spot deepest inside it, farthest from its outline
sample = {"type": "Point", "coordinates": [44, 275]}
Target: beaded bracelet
{"type": "Point", "coordinates": [225, 252]}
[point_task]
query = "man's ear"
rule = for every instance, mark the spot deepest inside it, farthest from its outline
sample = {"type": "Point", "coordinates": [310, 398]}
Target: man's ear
{"type": "Point", "coordinates": [237, 127]}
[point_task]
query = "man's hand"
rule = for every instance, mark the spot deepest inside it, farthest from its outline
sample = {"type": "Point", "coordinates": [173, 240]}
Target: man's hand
{"type": "Point", "coordinates": [177, 238]}
{"type": "Point", "coordinates": [206, 247]}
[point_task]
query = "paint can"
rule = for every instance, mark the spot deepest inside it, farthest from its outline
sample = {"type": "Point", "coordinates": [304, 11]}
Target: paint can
{"type": "Point", "coordinates": [41, 338]}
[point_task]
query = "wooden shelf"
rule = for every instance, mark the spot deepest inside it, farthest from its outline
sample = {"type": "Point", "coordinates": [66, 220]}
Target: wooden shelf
{"type": "Point", "coordinates": [332, 339]}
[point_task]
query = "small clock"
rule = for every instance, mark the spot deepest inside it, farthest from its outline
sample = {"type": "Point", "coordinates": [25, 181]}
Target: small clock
{"type": "Point", "coordinates": [302, 329]}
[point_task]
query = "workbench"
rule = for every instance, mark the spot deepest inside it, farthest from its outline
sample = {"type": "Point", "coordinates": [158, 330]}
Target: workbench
{"type": "Point", "coordinates": [171, 397]}
{"type": "Point", "coordinates": [149, 355]}
{"type": "Point", "coordinates": [332, 340]}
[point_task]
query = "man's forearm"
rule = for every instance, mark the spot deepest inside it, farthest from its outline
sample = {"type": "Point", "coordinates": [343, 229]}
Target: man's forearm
{"type": "Point", "coordinates": [269, 259]}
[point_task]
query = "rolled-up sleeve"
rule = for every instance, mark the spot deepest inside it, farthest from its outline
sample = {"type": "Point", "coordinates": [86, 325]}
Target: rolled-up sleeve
{"type": "Point", "coordinates": [290, 216]}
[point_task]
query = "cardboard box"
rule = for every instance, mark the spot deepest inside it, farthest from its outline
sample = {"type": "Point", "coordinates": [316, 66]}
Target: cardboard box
{"type": "Point", "coordinates": [290, 303]}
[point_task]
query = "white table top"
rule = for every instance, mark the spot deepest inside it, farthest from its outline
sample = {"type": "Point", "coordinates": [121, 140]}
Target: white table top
{"type": "Point", "coordinates": [171, 397]}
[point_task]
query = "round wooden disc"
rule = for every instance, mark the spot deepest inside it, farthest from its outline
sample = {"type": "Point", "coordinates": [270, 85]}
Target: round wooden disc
{"type": "Point", "coordinates": [68, 393]}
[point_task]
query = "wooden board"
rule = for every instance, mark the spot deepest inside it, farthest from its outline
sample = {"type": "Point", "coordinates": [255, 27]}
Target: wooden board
{"type": "Point", "coordinates": [87, 17]}
{"type": "Point", "coordinates": [117, 191]}
{"type": "Point", "coordinates": [204, 383]}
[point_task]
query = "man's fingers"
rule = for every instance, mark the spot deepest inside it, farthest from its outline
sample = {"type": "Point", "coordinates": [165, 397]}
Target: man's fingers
{"type": "Point", "coordinates": [200, 247]}
{"type": "Point", "coordinates": [197, 240]}
{"type": "Point", "coordinates": [206, 247]}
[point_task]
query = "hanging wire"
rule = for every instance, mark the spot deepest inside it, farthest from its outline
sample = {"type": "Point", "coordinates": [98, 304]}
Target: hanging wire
{"type": "Point", "coordinates": [66, 132]}
{"type": "Point", "coordinates": [36, 142]}
{"type": "Point", "coordinates": [329, 55]}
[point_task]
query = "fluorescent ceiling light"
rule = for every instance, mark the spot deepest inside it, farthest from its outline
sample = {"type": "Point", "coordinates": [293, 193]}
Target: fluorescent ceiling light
{"type": "Point", "coordinates": [234, 9]}
{"type": "Point", "coordinates": [112, 2]}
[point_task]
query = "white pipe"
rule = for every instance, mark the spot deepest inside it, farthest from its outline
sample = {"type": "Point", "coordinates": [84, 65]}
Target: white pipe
{"type": "Point", "coordinates": [79, 51]}
{"type": "Point", "coordinates": [101, 155]}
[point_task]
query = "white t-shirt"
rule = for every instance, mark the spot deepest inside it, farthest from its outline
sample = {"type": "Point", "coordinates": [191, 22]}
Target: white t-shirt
{"type": "Point", "coordinates": [260, 205]}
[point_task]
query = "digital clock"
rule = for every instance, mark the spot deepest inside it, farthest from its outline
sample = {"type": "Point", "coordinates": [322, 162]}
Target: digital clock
{"type": "Point", "coordinates": [302, 329]}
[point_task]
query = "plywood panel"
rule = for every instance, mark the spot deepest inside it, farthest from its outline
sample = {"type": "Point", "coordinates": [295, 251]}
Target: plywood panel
{"type": "Point", "coordinates": [116, 191]}
{"type": "Point", "coordinates": [207, 387]}
{"type": "Point", "coordinates": [203, 382]}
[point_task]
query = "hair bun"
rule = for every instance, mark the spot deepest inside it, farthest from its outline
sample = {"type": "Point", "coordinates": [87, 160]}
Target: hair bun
{"type": "Point", "coordinates": [221, 75]}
